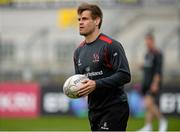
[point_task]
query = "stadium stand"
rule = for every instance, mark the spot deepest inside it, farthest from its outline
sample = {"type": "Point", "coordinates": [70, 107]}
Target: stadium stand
{"type": "Point", "coordinates": [31, 41]}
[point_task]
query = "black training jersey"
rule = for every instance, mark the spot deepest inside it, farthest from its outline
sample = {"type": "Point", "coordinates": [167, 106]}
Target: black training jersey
{"type": "Point", "coordinates": [152, 66]}
{"type": "Point", "coordinates": [104, 61]}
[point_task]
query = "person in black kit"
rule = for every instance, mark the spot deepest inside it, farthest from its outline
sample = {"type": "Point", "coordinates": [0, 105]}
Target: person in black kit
{"type": "Point", "coordinates": [103, 60]}
{"type": "Point", "coordinates": [152, 80]}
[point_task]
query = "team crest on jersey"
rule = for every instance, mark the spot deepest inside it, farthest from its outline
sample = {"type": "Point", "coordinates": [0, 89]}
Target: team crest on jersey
{"type": "Point", "coordinates": [95, 57]}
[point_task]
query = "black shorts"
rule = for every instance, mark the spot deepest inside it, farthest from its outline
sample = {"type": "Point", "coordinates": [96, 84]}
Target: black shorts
{"type": "Point", "coordinates": [147, 91]}
{"type": "Point", "coordinates": [113, 118]}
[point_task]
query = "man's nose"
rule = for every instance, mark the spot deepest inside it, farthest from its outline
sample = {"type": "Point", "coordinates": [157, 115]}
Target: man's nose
{"type": "Point", "coordinates": [80, 22]}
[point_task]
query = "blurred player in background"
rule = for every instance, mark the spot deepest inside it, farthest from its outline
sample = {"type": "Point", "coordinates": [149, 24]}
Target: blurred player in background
{"type": "Point", "coordinates": [152, 81]}
{"type": "Point", "coordinates": [104, 61]}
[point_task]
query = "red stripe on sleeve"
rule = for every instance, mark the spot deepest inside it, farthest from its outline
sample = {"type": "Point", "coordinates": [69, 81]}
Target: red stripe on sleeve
{"type": "Point", "coordinates": [106, 39]}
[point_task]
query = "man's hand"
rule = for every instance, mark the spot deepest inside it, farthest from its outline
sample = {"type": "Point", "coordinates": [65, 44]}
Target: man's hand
{"type": "Point", "coordinates": [87, 87]}
{"type": "Point", "coordinates": [154, 87]}
{"type": "Point", "coordinates": [155, 83]}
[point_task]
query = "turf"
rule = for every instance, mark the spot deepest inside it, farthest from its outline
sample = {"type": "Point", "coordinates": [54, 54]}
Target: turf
{"type": "Point", "coordinates": [68, 123]}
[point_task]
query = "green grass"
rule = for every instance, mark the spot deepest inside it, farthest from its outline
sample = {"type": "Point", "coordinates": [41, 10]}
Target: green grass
{"type": "Point", "coordinates": [65, 123]}
{"type": "Point", "coordinates": [45, 123]}
{"type": "Point", "coordinates": [137, 123]}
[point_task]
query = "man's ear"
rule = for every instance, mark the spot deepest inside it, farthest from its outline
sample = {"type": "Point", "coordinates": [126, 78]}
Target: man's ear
{"type": "Point", "coordinates": [97, 21]}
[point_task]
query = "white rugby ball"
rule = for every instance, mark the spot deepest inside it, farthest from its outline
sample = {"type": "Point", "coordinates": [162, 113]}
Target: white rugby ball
{"type": "Point", "coordinates": [72, 85]}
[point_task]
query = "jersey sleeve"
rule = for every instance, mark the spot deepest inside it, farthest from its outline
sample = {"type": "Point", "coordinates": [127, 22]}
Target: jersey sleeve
{"type": "Point", "coordinates": [75, 58]}
{"type": "Point", "coordinates": [118, 63]}
{"type": "Point", "coordinates": [158, 63]}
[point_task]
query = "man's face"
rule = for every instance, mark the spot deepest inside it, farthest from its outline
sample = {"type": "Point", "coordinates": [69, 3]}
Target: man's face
{"type": "Point", "coordinates": [86, 24]}
{"type": "Point", "coordinates": [149, 43]}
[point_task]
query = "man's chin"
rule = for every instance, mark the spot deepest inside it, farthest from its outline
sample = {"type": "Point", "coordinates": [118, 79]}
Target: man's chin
{"type": "Point", "coordinates": [83, 34]}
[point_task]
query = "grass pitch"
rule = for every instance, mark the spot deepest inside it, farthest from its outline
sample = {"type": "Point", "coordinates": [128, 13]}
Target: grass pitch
{"type": "Point", "coordinates": [69, 123]}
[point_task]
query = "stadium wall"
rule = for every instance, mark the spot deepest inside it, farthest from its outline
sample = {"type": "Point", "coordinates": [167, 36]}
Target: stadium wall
{"type": "Point", "coordinates": [30, 100]}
